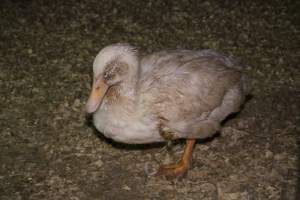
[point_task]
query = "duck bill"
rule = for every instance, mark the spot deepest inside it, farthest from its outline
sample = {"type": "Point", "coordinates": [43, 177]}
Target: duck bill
{"type": "Point", "coordinates": [99, 89]}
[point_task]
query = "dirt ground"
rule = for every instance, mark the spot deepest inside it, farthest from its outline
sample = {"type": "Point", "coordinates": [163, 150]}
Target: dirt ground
{"type": "Point", "coordinates": [49, 150]}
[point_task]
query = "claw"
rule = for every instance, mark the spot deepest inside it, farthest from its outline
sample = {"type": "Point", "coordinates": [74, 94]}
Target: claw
{"type": "Point", "coordinates": [172, 171]}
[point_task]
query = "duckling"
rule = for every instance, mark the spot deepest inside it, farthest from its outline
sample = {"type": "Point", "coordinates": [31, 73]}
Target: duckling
{"type": "Point", "coordinates": [164, 96]}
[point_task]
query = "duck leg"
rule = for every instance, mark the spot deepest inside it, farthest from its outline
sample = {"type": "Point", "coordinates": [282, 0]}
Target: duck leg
{"type": "Point", "coordinates": [179, 169]}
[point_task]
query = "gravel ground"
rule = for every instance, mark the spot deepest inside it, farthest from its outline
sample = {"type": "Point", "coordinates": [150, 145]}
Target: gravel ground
{"type": "Point", "coordinates": [49, 150]}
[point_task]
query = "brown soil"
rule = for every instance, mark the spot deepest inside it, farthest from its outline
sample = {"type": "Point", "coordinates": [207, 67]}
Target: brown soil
{"type": "Point", "coordinates": [49, 150]}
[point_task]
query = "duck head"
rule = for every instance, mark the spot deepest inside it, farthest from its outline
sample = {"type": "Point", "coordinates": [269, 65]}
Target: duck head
{"type": "Point", "coordinates": [116, 64]}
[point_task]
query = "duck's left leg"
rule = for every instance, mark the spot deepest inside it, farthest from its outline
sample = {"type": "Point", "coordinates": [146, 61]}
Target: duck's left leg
{"type": "Point", "coordinates": [179, 169]}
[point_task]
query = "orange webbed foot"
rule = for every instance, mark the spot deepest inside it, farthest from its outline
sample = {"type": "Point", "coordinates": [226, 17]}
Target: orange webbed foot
{"type": "Point", "coordinates": [178, 170]}
{"type": "Point", "coordinates": [172, 171]}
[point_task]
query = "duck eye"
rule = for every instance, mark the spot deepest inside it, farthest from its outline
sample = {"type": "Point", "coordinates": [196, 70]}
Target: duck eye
{"type": "Point", "coordinates": [108, 75]}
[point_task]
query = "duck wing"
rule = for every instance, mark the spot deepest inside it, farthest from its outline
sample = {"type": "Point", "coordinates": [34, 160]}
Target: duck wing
{"type": "Point", "coordinates": [187, 89]}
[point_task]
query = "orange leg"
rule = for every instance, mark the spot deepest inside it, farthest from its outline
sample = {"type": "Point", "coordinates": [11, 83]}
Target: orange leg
{"type": "Point", "coordinates": [179, 169]}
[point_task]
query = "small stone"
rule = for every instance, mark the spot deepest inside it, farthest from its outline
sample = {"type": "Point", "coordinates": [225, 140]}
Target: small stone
{"type": "Point", "coordinates": [126, 187]}
{"type": "Point", "coordinates": [76, 103]}
{"type": "Point", "coordinates": [35, 90]}
{"type": "Point", "coordinates": [99, 163]}
{"type": "Point", "coordinates": [234, 191]}
{"type": "Point", "coordinates": [269, 154]}
{"type": "Point", "coordinates": [280, 156]}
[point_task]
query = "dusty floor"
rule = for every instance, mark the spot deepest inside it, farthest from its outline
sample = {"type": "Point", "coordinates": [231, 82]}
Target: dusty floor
{"type": "Point", "coordinates": [48, 150]}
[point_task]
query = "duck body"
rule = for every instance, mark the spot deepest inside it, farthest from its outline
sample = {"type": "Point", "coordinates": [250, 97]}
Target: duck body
{"type": "Point", "coordinates": [167, 95]}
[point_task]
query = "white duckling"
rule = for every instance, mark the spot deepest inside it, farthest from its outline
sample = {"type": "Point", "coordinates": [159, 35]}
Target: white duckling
{"type": "Point", "coordinates": [163, 96]}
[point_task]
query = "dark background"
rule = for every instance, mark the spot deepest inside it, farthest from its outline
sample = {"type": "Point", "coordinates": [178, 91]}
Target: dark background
{"type": "Point", "coordinates": [48, 150]}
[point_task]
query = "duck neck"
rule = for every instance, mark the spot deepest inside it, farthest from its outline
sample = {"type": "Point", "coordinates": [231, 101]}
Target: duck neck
{"type": "Point", "coordinates": [128, 88]}
{"type": "Point", "coordinates": [129, 85]}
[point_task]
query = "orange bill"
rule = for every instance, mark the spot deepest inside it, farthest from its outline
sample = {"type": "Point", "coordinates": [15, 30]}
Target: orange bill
{"type": "Point", "coordinates": [99, 89]}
